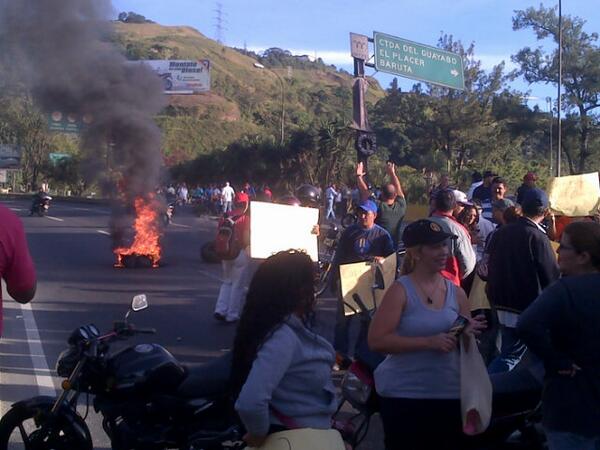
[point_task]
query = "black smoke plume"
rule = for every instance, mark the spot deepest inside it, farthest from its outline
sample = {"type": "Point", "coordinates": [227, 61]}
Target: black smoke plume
{"type": "Point", "coordinates": [61, 52]}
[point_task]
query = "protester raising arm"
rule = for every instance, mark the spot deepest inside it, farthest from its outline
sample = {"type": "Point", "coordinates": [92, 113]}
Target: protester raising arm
{"type": "Point", "coordinates": [391, 171]}
{"type": "Point", "coordinates": [363, 189]}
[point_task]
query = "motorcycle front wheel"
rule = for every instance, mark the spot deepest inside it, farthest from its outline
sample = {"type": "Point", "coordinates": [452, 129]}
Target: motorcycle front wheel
{"type": "Point", "coordinates": [19, 429]}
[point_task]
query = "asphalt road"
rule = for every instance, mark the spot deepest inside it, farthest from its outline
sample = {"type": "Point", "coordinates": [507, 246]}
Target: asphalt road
{"type": "Point", "coordinates": [77, 284]}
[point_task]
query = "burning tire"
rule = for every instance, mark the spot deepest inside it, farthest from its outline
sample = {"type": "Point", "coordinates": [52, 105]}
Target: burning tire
{"type": "Point", "coordinates": [209, 254]}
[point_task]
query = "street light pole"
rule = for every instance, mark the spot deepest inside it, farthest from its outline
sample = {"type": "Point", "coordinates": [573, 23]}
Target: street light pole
{"type": "Point", "coordinates": [549, 103]}
{"type": "Point", "coordinates": [560, 34]}
{"type": "Point", "coordinates": [261, 66]}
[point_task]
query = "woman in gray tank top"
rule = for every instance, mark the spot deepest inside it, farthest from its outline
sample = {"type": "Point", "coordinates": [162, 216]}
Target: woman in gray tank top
{"type": "Point", "coordinates": [419, 381]}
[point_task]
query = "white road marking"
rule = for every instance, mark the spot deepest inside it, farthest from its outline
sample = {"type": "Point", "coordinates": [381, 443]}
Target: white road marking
{"type": "Point", "coordinates": [58, 219]}
{"type": "Point", "coordinates": [180, 225]}
{"type": "Point", "coordinates": [103, 232]}
{"type": "Point", "coordinates": [211, 275]}
{"type": "Point", "coordinates": [17, 209]}
{"type": "Point", "coordinates": [44, 381]}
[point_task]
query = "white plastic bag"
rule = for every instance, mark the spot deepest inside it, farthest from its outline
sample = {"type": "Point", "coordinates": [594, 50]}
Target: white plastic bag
{"type": "Point", "coordinates": [475, 388]}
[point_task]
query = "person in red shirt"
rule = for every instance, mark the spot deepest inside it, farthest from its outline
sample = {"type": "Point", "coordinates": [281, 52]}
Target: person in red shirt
{"type": "Point", "coordinates": [235, 271]}
{"type": "Point", "coordinates": [16, 266]}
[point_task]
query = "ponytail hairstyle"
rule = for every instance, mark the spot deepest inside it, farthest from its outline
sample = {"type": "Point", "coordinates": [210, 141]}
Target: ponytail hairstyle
{"type": "Point", "coordinates": [409, 262]}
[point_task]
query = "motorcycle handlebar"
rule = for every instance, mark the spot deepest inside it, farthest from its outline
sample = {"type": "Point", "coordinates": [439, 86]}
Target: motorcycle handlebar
{"type": "Point", "coordinates": [145, 330]}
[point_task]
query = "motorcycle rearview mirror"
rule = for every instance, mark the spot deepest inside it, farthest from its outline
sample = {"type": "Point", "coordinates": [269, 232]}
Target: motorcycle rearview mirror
{"type": "Point", "coordinates": [138, 303]}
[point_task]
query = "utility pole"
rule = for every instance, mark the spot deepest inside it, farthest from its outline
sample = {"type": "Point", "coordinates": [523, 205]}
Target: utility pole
{"type": "Point", "coordinates": [261, 66]}
{"type": "Point", "coordinates": [549, 103]}
{"type": "Point", "coordinates": [560, 35]}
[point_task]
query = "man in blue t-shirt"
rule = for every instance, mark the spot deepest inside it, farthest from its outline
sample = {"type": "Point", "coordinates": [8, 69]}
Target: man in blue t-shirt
{"type": "Point", "coordinates": [363, 241]}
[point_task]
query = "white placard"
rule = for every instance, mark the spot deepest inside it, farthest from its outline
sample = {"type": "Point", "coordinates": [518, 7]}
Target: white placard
{"type": "Point", "coordinates": [575, 195]}
{"type": "Point", "coordinates": [274, 228]}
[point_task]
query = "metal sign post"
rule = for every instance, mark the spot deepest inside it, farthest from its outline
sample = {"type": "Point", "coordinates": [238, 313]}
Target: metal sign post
{"type": "Point", "coordinates": [365, 142]}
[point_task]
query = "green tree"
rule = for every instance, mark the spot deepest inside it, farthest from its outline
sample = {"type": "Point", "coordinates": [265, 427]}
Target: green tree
{"type": "Point", "coordinates": [581, 71]}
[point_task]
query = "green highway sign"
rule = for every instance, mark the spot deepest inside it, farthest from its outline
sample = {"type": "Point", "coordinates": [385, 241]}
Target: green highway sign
{"type": "Point", "coordinates": [417, 61]}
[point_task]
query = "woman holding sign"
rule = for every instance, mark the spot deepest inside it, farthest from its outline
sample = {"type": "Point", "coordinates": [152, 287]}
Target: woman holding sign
{"type": "Point", "coordinates": [417, 326]}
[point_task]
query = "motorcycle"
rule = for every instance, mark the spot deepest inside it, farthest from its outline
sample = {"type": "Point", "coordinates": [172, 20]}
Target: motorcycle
{"type": "Point", "coordinates": [325, 263]}
{"type": "Point", "coordinates": [41, 205]}
{"type": "Point", "coordinates": [516, 413]}
{"type": "Point", "coordinates": [147, 399]}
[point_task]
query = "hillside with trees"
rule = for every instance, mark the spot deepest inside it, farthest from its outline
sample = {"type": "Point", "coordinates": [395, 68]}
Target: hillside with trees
{"type": "Point", "coordinates": [234, 130]}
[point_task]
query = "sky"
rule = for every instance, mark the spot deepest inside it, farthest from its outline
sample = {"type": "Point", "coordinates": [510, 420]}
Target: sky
{"type": "Point", "coordinates": [322, 27]}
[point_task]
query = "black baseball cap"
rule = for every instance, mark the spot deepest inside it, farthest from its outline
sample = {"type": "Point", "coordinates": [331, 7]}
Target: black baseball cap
{"type": "Point", "coordinates": [424, 232]}
{"type": "Point", "coordinates": [489, 173]}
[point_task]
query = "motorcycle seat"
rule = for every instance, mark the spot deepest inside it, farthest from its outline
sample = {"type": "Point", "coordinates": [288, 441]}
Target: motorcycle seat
{"type": "Point", "coordinates": [207, 380]}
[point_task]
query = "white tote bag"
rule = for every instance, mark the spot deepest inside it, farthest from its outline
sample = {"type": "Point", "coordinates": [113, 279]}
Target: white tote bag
{"type": "Point", "coordinates": [475, 388]}
{"type": "Point", "coordinates": [303, 439]}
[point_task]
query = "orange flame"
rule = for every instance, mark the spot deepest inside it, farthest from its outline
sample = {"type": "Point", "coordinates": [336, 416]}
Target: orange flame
{"type": "Point", "coordinates": [147, 234]}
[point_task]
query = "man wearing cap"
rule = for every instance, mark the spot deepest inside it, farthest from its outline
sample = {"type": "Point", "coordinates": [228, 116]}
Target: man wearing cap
{"type": "Point", "coordinates": [461, 202]}
{"type": "Point", "coordinates": [462, 256]}
{"type": "Point", "coordinates": [362, 241]}
{"type": "Point", "coordinates": [235, 271]}
{"type": "Point", "coordinates": [391, 209]}
{"type": "Point", "coordinates": [528, 183]}
{"type": "Point", "coordinates": [521, 264]}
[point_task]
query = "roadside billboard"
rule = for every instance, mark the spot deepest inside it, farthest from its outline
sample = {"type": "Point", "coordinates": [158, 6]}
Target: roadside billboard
{"type": "Point", "coordinates": [68, 122]}
{"type": "Point", "coordinates": [181, 76]}
{"type": "Point", "coordinates": [10, 156]}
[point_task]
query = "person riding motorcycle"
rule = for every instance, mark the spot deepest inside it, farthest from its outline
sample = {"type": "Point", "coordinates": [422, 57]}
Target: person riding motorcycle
{"type": "Point", "coordinates": [38, 201]}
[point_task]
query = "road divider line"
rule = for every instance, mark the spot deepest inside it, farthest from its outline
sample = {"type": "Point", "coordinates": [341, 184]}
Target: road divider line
{"type": "Point", "coordinates": [44, 380]}
{"type": "Point", "coordinates": [180, 225]}
{"type": "Point", "coordinates": [103, 232]}
{"type": "Point", "coordinates": [211, 275]}
{"type": "Point", "coordinates": [17, 209]}
{"type": "Point", "coordinates": [58, 219]}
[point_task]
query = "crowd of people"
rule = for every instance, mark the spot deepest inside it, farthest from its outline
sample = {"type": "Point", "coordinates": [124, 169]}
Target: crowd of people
{"type": "Point", "coordinates": [483, 255]}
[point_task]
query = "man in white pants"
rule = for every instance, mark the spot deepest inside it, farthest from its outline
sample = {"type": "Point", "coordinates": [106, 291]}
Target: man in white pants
{"type": "Point", "coordinates": [235, 271]}
{"type": "Point", "coordinates": [227, 197]}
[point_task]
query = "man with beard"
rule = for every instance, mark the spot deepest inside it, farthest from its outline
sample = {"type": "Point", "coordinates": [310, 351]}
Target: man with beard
{"type": "Point", "coordinates": [391, 208]}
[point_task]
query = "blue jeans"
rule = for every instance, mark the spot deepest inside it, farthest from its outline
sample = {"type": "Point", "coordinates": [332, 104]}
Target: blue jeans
{"type": "Point", "coordinates": [512, 351]}
{"type": "Point", "coordinates": [329, 211]}
{"type": "Point", "coordinates": [563, 440]}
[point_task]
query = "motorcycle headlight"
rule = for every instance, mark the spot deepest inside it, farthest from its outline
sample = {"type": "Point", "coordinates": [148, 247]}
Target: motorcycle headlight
{"type": "Point", "coordinates": [66, 362]}
{"type": "Point", "coordinates": [354, 390]}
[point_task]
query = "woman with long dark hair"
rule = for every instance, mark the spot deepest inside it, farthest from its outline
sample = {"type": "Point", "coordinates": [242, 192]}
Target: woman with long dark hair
{"type": "Point", "coordinates": [281, 371]}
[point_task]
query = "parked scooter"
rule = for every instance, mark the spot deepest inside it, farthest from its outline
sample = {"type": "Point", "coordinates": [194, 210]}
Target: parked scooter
{"type": "Point", "coordinates": [148, 400]}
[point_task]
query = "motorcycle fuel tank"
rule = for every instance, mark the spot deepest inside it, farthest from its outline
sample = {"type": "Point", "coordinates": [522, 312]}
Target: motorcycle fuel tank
{"type": "Point", "coordinates": [144, 368]}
